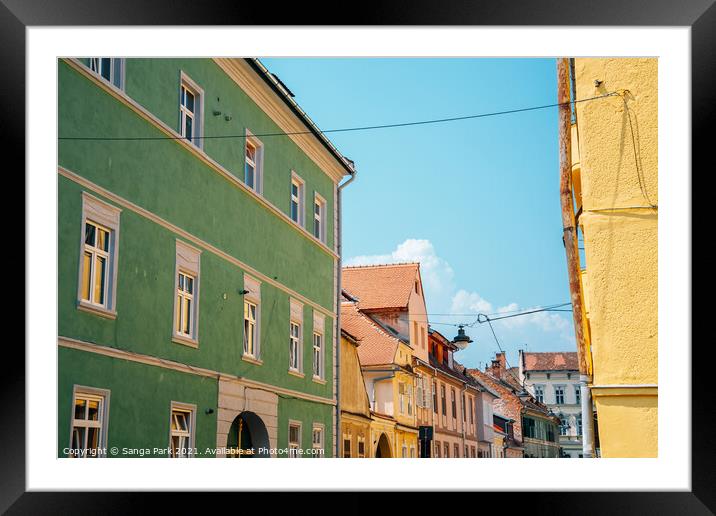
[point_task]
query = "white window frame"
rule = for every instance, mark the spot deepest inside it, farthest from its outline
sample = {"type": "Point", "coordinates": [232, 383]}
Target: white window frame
{"type": "Point", "coordinates": [319, 330]}
{"type": "Point", "coordinates": [561, 388]}
{"type": "Point", "coordinates": [106, 217]}
{"type": "Point", "coordinates": [293, 446]}
{"type": "Point", "coordinates": [250, 326]}
{"type": "Point", "coordinates": [318, 427]}
{"type": "Point", "coordinates": [347, 437]}
{"type": "Point", "coordinates": [197, 115]}
{"type": "Point", "coordinates": [116, 70]}
{"type": "Point", "coordinates": [321, 217]}
{"type": "Point", "coordinates": [190, 435]}
{"type": "Point", "coordinates": [296, 318]}
{"type": "Point", "coordinates": [539, 393]}
{"type": "Point", "coordinates": [252, 296]}
{"type": "Point", "coordinates": [258, 163]}
{"type": "Point", "coordinates": [299, 199]}
{"type": "Point", "coordinates": [577, 394]}
{"type": "Point", "coordinates": [188, 263]}
{"type": "Point", "coordinates": [91, 393]}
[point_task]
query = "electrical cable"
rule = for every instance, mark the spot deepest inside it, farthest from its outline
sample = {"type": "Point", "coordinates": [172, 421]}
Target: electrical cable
{"type": "Point", "coordinates": [342, 130]}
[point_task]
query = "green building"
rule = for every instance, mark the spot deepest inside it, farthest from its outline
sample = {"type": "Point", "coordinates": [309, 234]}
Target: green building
{"type": "Point", "coordinates": [197, 275]}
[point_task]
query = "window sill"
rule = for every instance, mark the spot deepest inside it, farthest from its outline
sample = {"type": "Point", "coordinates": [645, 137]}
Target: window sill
{"type": "Point", "coordinates": [186, 341]}
{"type": "Point", "coordinates": [96, 310]}
{"type": "Point", "coordinates": [320, 380]}
{"type": "Point", "coordinates": [298, 374]}
{"type": "Point", "coordinates": [251, 359]}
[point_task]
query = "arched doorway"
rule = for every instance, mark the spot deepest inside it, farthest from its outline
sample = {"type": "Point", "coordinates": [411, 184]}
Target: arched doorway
{"type": "Point", "coordinates": [383, 448]}
{"type": "Point", "coordinates": [247, 437]}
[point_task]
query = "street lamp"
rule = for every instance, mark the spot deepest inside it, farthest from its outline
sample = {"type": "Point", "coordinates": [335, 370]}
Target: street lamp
{"type": "Point", "coordinates": [461, 340]}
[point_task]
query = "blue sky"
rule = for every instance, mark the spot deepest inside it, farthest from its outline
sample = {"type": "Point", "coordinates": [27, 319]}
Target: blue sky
{"type": "Point", "coordinates": [475, 201]}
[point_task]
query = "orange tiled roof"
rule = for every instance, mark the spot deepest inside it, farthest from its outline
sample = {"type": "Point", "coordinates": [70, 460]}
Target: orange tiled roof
{"type": "Point", "coordinates": [376, 347]}
{"type": "Point", "coordinates": [381, 286]}
{"type": "Point", "coordinates": [559, 361]}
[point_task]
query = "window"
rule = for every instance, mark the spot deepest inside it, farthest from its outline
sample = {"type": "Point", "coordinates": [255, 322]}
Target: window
{"type": "Point", "coordinates": [577, 394]}
{"type": "Point", "coordinates": [361, 447]}
{"type": "Point", "coordinates": [191, 100]}
{"type": "Point", "coordinates": [250, 311]}
{"type": "Point", "coordinates": [347, 446]}
{"type": "Point", "coordinates": [99, 251]}
{"type": "Point", "coordinates": [412, 452]}
{"type": "Point", "coordinates": [297, 199]}
{"type": "Point", "coordinates": [318, 346]}
{"type": "Point", "coordinates": [252, 316]}
{"type": "Point", "coordinates": [294, 345]}
{"type": "Point", "coordinates": [437, 449]}
{"type": "Point", "coordinates": [539, 393]}
{"type": "Point", "coordinates": [457, 450]}
{"type": "Point", "coordinates": [181, 430]}
{"type": "Point", "coordinates": [466, 452]}
{"type": "Point", "coordinates": [443, 398]}
{"type": "Point", "coordinates": [563, 425]}
{"type": "Point", "coordinates": [447, 450]}
{"type": "Point", "coordinates": [111, 69]}
{"type": "Point", "coordinates": [90, 410]}
{"type": "Point", "coordinates": [294, 439]}
{"type": "Point", "coordinates": [186, 298]}
{"type": "Point", "coordinates": [454, 403]}
{"type": "Point", "coordinates": [419, 396]}
{"type": "Point", "coordinates": [559, 394]}
{"type": "Point", "coordinates": [472, 452]}
{"type": "Point", "coordinates": [319, 218]}
{"type": "Point", "coordinates": [404, 452]}
{"type": "Point", "coordinates": [435, 397]}
{"type": "Point", "coordinates": [317, 441]}
{"type": "Point", "coordinates": [529, 427]}
{"type": "Point", "coordinates": [471, 413]}
{"type": "Point", "coordinates": [464, 412]}
{"type": "Point", "coordinates": [579, 424]}
{"type": "Point", "coordinates": [295, 337]}
{"type": "Point", "coordinates": [317, 354]}
{"type": "Point", "coordinates": [253, 163]}
{"type": "Point", "coordinates": [402, 388]}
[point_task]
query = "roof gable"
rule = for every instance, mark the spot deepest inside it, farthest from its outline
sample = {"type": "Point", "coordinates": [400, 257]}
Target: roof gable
{"type": "Point", "coordinates": [381, 286]}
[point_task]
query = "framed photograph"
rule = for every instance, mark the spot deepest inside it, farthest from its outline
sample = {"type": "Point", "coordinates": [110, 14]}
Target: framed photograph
{"type": "Point", "coordinates": [425, 236]}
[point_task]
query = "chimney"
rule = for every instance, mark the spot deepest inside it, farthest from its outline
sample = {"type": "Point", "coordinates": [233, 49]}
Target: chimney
{"type": "Point", "coordinates": [499, 365]}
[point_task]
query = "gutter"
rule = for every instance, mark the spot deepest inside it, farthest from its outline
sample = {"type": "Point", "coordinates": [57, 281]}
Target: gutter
{"type": "Point", "coordinates": [339, 290]}
{"type": "Point", "coordinates": [572, 252]}
{"type": "Point", "coordinates": [281, 90]}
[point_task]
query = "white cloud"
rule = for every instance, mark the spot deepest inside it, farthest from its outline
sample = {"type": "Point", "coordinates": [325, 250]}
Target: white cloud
{"type": "Point", "coordinates": [442, 296]}
{"type": "Point", "coordinates": [438, 276]}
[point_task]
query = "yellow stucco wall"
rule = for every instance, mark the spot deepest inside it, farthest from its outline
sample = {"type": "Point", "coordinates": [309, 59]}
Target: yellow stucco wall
{"type": "Point", "coordinates": [618, 164]}
{"type": "Point", "coordinates": [354, 398]}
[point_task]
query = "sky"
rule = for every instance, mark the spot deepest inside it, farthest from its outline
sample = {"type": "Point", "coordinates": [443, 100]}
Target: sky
{"type": "Point", "coordinates": [476, 202]}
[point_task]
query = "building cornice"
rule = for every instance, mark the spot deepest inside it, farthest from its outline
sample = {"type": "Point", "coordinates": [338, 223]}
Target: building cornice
{"type": "Point", "coordinates": [70, 343]}
{"type": "Point", "coordinates": [86, 183]}
{"type": "Point", "coordinates": [259, 91]}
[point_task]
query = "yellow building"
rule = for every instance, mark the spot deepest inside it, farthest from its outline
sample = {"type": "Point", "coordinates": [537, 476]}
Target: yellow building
{"type": "Point", "coordinates": [614, 179]}
{"type": "Point", "coordinates": [355, 422]}
{"type": "Point", "coordinates": [384, 309]}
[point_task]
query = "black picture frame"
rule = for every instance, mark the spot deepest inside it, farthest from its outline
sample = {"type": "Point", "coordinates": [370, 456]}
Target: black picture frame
{"type": "Point", "coordinates": [700, 15]}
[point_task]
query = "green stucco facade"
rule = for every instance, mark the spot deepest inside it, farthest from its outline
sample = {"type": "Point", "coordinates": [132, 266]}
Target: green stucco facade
{"type": "Point", "coordinates": [161, 187]}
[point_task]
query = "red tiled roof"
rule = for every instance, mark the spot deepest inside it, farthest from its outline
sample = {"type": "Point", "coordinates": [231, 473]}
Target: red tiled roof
{"type": "Point", "coordinates": [376, 347]}
{"type": "Point", "coordinates": [559, 361]}
{"type": "Point", "coordinates": [381, 286]}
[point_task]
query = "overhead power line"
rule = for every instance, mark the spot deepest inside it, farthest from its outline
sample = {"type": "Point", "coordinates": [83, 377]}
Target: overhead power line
{"type": "Point", "coordinates": [342, 130]}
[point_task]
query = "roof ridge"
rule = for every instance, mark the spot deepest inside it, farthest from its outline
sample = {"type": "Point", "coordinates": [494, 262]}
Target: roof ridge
{"type": "Point", "coordinates": [380, 265]}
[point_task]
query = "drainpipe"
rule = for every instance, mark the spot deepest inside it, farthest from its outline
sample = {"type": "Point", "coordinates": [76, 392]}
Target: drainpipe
{"type": "Point", "coordinates": [339, 252]}
{"type": "Point", "coordinates": [570, 246]}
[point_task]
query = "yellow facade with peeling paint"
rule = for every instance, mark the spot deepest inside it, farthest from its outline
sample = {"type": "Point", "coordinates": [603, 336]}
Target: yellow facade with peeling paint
{"type": "Point", "coordinates": [615, 164]}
